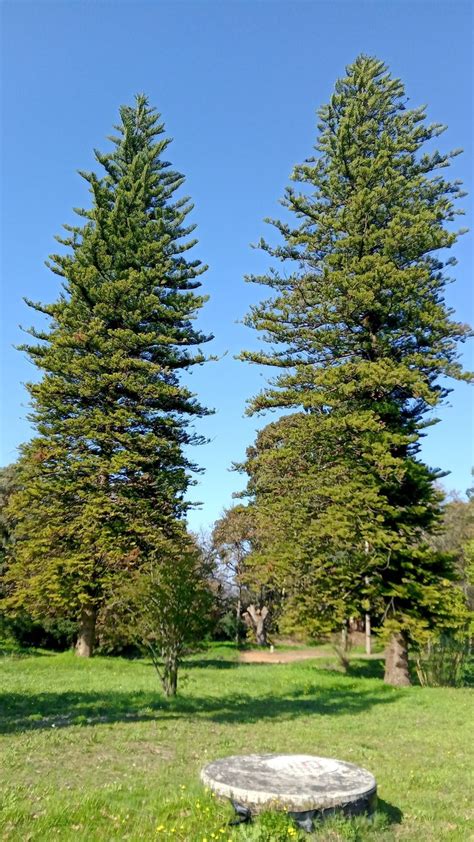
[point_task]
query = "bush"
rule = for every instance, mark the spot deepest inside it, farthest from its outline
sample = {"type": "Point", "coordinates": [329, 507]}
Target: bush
{"type": "Point", "coordinates": [271, 827]}
{"type": "Point", "coordinates": [23, 632]}
{"type": "Point", "coordinates": [445, 661]}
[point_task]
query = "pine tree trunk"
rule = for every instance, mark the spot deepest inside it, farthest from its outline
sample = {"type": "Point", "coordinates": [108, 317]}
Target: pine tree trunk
{"type": "Point", "coordinates": [86, 636]}
{"type": "Point", "coordinates": [396, 661]}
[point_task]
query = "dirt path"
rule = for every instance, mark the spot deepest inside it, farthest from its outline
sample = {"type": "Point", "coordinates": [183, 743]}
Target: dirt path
{"type": "Point", "coordinates": [254, 656]}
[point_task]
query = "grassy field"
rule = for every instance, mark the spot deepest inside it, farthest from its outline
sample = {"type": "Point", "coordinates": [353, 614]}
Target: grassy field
{"type": "Point", "coordinates": [92, 751]}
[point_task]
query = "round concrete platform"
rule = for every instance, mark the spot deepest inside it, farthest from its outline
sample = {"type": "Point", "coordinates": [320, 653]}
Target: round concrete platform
{"type": "Point", "coordinates": [296, 783]}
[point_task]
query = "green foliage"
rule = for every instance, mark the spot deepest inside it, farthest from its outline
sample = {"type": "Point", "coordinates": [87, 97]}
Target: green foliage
{"type": "Point", "coordinates": [445, 661]}
{"type": "Point", "coordinates": [314, 512]}
{"type": "Point", "coordinates": [359, 333]}
{"type": "Point", "coordinates": [456, 536]}
{"type": "Point", "coordinates": [104, 480]}
{"type": "Point", "coordinates": [20, 632]}
{"type": "Point", "coordinates": [271, 827]}
{"type": "Point", "coordinates": [232, 539]}
{"type": "Point", "coordinates": [258, 599]}
{"type": "Point", "coordinates": [8, 484]}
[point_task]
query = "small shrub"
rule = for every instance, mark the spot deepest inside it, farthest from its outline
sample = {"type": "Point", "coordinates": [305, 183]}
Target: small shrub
{"type": "Point", "coordinates": [271, 827]}
{"type": "Point", "coordinates": [444, 661]}
{"type": "Point", "coordinates": [21, 632]}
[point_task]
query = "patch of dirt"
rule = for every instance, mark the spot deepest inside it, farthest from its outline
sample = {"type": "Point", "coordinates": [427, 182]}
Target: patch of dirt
{"type": "Point", "coordinates": [265, 656]}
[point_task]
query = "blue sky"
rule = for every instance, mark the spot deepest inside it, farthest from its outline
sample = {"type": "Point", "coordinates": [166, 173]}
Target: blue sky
{"type": "Point", "coordinates": [238, 83]}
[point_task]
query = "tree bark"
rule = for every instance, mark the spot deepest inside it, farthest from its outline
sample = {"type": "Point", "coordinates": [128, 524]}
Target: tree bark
{"type": "Point", "coordinates": [368, 641]}
{"type": "Point", "coordinates": [257, 617]}
{"type": "Point", "coordinates": [261, 632]}
{"type": "Point", "coordinates": [368, 636]}
{"type": "Point", "coordinates": [396, 661]}
{"type": "Point", "coordinates": [238, 611]}
{"type": "Point", "coordinates": [170, 674]}
{"type": "Point", "coordinates": [86, 637]}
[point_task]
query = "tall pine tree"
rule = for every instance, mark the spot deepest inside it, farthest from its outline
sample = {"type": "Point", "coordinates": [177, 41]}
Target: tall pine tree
{"type": "Point", "coordinates": [103, 482]}
{"type": "Point", "coordinates": [358, 327]}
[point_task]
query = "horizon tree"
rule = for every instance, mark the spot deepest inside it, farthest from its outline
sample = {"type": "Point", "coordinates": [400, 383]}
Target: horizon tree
{"type": "Point", "coordinates": [456, 537]}
{"type": "Point", "coordinates": [231, 539]}
{"type": "Point", "coordinates": [358, 328]}
{"type": "Point", "coordinates": [312, 508]}
{"type": "Point", "coordinates": [103, 481]}
{"type": "Point", "coordinates": [235, 538]}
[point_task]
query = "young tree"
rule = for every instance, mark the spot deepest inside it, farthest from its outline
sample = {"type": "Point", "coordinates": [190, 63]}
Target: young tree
{"type": "Point", "coordinates": [104, 479]}
{"type": "Point", "coordinates": [358, 327]}
{"type": "Point", "coordinates": [165, 605]}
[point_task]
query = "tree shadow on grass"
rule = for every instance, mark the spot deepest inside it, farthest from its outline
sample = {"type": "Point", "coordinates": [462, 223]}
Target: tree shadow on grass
{"type": "Point", "coordinates": [20, 712]}
{"type": "Point", "coordinates": [25, 652]}
{"type": "Point", "coordinates": [215, 663]}
{"type": "Point", "coordinates": [373, 668]}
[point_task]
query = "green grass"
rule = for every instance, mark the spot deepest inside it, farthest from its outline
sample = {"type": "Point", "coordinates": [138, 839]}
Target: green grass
{"type": "Point", "coordinates": [92, 751]}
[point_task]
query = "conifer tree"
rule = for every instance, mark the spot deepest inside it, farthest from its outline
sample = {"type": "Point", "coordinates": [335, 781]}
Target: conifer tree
{"type": "Point", "coordinates": [103, 481]}
{"type": "Point", "coordinates": [358, 328]}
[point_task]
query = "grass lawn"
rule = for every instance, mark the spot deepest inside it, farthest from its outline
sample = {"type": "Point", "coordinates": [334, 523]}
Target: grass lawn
{"type": "Point", "coordinates": [92, 751]}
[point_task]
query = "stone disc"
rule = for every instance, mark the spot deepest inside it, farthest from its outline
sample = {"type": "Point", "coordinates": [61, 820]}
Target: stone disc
{"type": "Point", "coordinates": [292, 782]}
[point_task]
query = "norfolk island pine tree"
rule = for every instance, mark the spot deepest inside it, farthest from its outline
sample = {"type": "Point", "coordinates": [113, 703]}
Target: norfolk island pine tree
{"type": "Point", "coordinates": [103, 481]}
{"type": "Point", "coordinates": [359, 331]}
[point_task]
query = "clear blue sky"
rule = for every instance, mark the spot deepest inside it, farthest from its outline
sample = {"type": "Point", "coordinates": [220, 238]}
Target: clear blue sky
{"type": "Point", "coordinates": [237, 83]}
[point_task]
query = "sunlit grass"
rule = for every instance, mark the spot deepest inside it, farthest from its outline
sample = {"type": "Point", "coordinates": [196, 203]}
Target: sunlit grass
{"type": "Point", "coordinates": [91, 750]}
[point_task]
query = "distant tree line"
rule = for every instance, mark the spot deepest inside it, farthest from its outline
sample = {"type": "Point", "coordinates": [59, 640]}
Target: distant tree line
{"type": "Point", "coordinates": [342, 519]}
